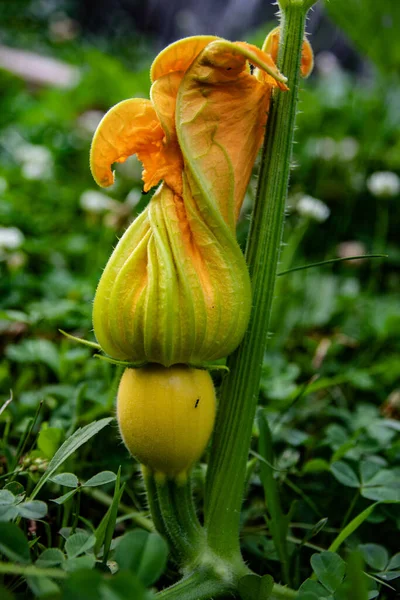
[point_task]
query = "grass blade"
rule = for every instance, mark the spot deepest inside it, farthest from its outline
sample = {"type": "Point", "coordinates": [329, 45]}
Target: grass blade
{"type": "Point", "coordinates": [110, 519]}
{"type": "Point", "coordinates": [278, 522]}
{"type": "Point", "coordinates": [80, 437]}
{"type": "Point", "coordinates": [330, 261]}
{"type": "Point", "coordinates": [351, 527]}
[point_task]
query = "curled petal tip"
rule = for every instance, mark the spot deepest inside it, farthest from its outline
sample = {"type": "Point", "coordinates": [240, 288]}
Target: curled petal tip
{"type": "Point", "coordinates": [307, 59]}
{"type": "Point", "coordinates": [271, 46]}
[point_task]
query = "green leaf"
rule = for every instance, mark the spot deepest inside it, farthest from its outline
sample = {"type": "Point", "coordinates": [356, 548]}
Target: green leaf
{"type": "Point", "coordinates": [356, 578]}
{"type": "Point", "coordinates": [100, 479]}
{"type": "Point", "coordinates": [83, 585]}
{"type": "Point", "coordinates": [253, 587]}
{"type": "Point", "coordinates": [345, 474]}
{"type": "Point", "coordinates": [65, 497]}
{"type": "Point", "coordinates": [49, 440]}
{"type": "Point", "coordinates": [66, 479]}
{"type": "Point", "coordinates": [101, 532]}
{"type": "Point", "coordinates": [43, 587]}
{"type": "Point", "coordinates": [13, 543]}
{"type": "Point", "coordinates": [315, 530]}
{"type": "Point", "coordinates": [329, 568]}
{"type": "Point", "coordinates": [66, 532]}
{"type": "Point", "coordinates": [368, 470]}
{"type": "Point", "coordinates": [35, 351]}
{"type": "Point", "coordinates": [7, 498]}
{"type": "Point", "coordinates": [375, 556]}
{"type": "Point", "coordinates": [8, 506]}
{"type": "Point", "coordinates": [384, 486]}
{"type": "Point", "coordinates": [394, 562]}
{"type": "Point", "coordinates": [351, 527]}
{"type": "Point", "coordinates": [79, 562]}
{"type": "Point", "coordinates": [143, 553]}
{"type": "Point", "coordinates": [51, 557]}
{"type": "Point", "coordinates": [15, 488]}
{"type": "Point", "coordinates": [389, 493]}
{"type": "Point", "coordinates": [278, 522]}
{"type": "Point", "coordinates": [112, 516]}
{"type": "Point", "coordinates": [34, 509]}
{"type": "Point", "coordinates": [315, 465]}
{"type": "Point", "coordinates": [80, 437]}
{"type": "Point", "coordinates": [388, 575]}
{"type": "Point", "coordinates": [312, 590]}
{"type": "Point", "coordinates": [78, 543]}
{"type": "Point", "coordinates": [116, 587]}
{"type": "Point", "coordinates": [5, 594]}
{"type": "Point", "coordinates": [8, 513]}
{"type": "Point", "coordinates": [335, 435]}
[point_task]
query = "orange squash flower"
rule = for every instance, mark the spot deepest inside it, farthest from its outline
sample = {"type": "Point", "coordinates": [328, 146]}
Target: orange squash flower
{"type": "Point", "coordinates": [176, 288]}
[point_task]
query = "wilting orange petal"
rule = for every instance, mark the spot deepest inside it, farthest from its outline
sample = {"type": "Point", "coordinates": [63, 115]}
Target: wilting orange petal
{"type": "Point", "coordinates": [179, 55]}
{"type": "Point", "coordinates": [307, 59]}
{"type": "Point", "coordinates": [271, 45]}
{"type": "Point", "coordinates": [266, 63]}
{"type": "Point", "coordinates": [170, 164]}
{"type": "Point", "coordinates": [221, 113]}
{"type": "Point", "coordinates": [133, 127]}
{"type": "Point", "coordinates": [128, 128]}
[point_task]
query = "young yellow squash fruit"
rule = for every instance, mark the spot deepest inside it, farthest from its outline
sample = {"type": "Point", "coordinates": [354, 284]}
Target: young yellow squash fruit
{"type": "Point", "coordinates": [166, 416]}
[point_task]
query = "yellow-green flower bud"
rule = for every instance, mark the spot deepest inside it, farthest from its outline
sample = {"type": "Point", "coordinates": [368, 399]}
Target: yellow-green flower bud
{"type": "Point", "coordinates": [169, 296]}
{"type": "Point", "coordinates": [166, 416]}
{"type": "Point", "coordinates": [176, 288]}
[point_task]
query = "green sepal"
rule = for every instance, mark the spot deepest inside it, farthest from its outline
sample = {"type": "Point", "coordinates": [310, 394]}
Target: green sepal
{"type": "Point", "coordinates": [209, 367]}
{"type": "Point", "coordinates": [81, 341]}
{"type": "Point", "coordinates": [121, 363]}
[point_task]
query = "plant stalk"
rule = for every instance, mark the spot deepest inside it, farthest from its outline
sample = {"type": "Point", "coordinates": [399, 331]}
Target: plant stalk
{"type": "Point", "coordinates": [199, 585]}
{"type": "Point", "coordinates": [239, 392]}
{"type": "Point", "coordinates": [180, 522]}
{"type": "Point", "coordinates": [152, 500]}
{"type": "Point", "coordinates": [203, 585]}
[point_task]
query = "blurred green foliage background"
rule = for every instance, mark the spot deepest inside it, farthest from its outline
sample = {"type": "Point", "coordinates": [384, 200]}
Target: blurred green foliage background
{"type": "Point", "coordinates": [331, 382]}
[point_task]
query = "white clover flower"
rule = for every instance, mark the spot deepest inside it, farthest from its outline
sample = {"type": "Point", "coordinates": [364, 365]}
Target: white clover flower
{"type": "Point", "coordinates": [95, 202]}
{"type": "Point", "coordinates": [324, 147]}
{"type": "Point", "coordinates": [312, 208]}
{"type": "Point", "coordinates": [36, 161]}
{"type": "Point", "coordinates": [384, 184]}
{"type": "Point", "coordinates": [11, 238]}
{"type": "Point", "coordinates": [327, 63]}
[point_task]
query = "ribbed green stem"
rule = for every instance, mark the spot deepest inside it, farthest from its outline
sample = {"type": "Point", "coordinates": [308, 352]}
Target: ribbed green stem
{"type": "Point", "coordinates": [200, 585]}
{"type": "Point", "coordinates": [239, 393]}
{"type": "Point", "coordinates": [183, 500]}
{"type": "Point", "coordinates": [281, 592]}
{"type": "Point", "coordinates": [203, 585]}
{"type": "Point", "coordinates": [152, 500]}
{"type": "Point", "coordinates": [183, 530]}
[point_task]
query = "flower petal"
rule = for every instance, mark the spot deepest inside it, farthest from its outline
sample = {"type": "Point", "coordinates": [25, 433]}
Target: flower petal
{"type": "Point", "coordinates": [176, 288]}
{"type": "Point", "coordinates": [179, 55]}
{"type": "Point", "coordinates": [271, 46]}
{"type": "Point", "coordinates": [221, 114]}
{"type": "Point", "coordinates": [128, 128]}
